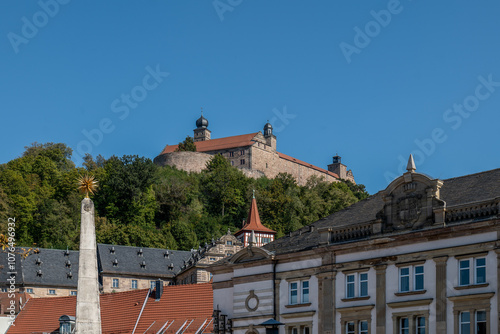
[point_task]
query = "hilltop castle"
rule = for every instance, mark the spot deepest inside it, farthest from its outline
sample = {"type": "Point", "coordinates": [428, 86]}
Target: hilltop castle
{"type": "Point", "coordinates": [254, 153]}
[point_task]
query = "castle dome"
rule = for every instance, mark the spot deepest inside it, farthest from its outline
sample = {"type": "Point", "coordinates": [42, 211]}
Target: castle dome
{"type": "Point", "coordinates": [202, 122]}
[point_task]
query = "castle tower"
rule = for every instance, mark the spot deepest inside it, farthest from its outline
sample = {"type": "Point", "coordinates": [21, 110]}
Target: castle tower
{"type": "Point", "coordinates": [268, 134]}
{"type": "Point", "coordinates": [201, 133]}
{"type": "Point", "coordinates": [88, 310]}
{"type": "Point", "coordinates": [338, 168]}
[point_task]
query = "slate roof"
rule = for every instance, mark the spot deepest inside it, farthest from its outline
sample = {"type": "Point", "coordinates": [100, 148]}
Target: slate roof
{"type": "Point", "coordinates": [455, 191]}
{"type": "Point", "coordinates": [55, 270]}
{"type": "Point", "coordinates": [120, 311]}
{"type": "Point", "coordinates": [218, 144]}
{"type": "Point", "coordinates": [130, 260]}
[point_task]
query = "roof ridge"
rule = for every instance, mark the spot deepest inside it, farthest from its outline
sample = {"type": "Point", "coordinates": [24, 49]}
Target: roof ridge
{"type": "Point", "coordinates": [468, 175]}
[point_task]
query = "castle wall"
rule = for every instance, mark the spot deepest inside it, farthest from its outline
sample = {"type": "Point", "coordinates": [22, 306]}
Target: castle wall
{"type": "Point", "coordinates": [188, 161]}
{"type": "Point", "coordinates": [254, 161]}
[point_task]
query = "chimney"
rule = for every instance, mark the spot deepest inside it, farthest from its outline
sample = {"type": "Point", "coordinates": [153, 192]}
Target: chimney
{"type": "Point", "coordinates": [158, 289]}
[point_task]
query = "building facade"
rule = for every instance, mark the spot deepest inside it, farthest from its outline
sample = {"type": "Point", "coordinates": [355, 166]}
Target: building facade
{"type": "Point", "coordinates": [255, 154]}
{"type": "Point", "coordinates": [421, 256]}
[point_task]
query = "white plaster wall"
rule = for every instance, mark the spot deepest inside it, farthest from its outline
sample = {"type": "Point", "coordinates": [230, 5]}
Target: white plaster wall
{"type": "Point", "coordinates": [491, 279]}
{"type": "Point", "coordinates": [222, 298]}
{"type": "Point", "coordinates": [297, 265]}
{"type": "Point", "coordinates": [418, 247]}
{"type": "Point", "coordinates": [223, 277]}
{"type": "Point", "coordinates": [268, 268]}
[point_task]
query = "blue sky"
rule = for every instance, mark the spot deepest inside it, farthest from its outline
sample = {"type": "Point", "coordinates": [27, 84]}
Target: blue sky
{"type": "Point", "coordinates": [370, 80]}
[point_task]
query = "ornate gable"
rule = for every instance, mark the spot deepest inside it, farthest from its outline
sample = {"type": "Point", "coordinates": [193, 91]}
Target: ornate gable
{"type": "Point", "coordinates": [412, 201]}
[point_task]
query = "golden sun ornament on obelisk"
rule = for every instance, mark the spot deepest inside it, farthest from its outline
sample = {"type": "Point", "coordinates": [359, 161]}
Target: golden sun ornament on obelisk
{"type": "Point", "coordinates": [87, 184]}
{"type": "Point", "coordinates": [88, 311]}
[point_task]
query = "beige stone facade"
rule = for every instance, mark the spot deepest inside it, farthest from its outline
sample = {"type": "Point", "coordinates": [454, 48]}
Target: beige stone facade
{"type": "Point", "coordinates": [421, 256]}
{"type": "Point", "coordinates": [255, 154]}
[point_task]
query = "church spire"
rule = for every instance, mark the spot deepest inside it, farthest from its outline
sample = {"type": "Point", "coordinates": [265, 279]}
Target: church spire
{"type": "Point", "coordinates": [411, 165]}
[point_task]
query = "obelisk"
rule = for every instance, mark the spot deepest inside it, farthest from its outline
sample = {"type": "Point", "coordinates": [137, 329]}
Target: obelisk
{"type": "Point", "coordinates": [88, 310]}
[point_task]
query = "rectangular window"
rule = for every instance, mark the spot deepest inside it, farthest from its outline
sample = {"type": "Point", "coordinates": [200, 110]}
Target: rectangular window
{"type": "Point", "coordinates": [464, 272]}
{"type": "Point", "coordinates": [116, 283]}
{"type": "Point", "coordinates": [293, 293]}
{"type": "Point", "coordinates": [231, 154]}
{"type": "Point", "coordinates": [350, 328]}
{"type": "Point", "coordinates": [242, 161]}
{"type": "Point", "coordinates": [420, 325]}
{"type": "Point", "coordinates": [419, 277]}
{"type": "Point", "coordinates": [306, 330]}
{"type": "Point", "coordinates": [363, 284]}
{"type": "Point", "coordinates": [72, 293]}
{"type": "Point", "coordinates": [266, 240]}
{"type": "Point", "coordinates": [52, 292]}
{"type": "Point", "coordinates": [350, 285]}
{"type": "Point", "coordinates": [465, 323]}
{"type": "Point", "coordinates": [363, 327]}
{"type": "Point", "coordinates": [294, 330]}
{"type": "Point", "coordinates": [481, 322]}
{"type": "Point", "coordinates": [480, 270]}
{"type": "Point", "coordinates": [4, 289]}
{"type": "Point", "coordinates": [242, 152]}
{"type": "Point", "coordinates": [404, 279]}
{"type": "Point", "coordinates": [229, 243]}
{"type": "Point", "coordinates": [404, 326]}
{"type": "Point", "coordinates": [134, 284]}
{"type": "Point", "coordinates": [212, 259]}
{"type": "Point", "coordinates": [305, 292]}
{"type": "Point", "coordinates": [29, 290]}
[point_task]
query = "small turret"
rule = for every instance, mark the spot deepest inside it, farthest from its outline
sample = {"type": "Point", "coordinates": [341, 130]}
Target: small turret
{"type": "Point", "coordinates": [201, 133]}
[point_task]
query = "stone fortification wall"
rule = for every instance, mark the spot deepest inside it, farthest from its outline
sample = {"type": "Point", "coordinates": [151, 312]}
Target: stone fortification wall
{"type": "Point", "coordinates": [262, 162]}
{"type": "Point", "coordinates": [188, 161]}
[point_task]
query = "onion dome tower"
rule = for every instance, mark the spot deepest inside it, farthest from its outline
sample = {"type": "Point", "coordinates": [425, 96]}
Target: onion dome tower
{"type": "Point", "coordinates": [201, 133]}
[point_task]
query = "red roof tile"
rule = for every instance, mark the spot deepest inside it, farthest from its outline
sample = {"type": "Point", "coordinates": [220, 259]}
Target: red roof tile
{"type": "Point", "coordinates": [217, 144]}
{"type": "Point", "coordinates": [300, 162]}
{"type": "Point", "coordinates": [120, 311]}
{"type": "Point", "coordinates": [253, 221]}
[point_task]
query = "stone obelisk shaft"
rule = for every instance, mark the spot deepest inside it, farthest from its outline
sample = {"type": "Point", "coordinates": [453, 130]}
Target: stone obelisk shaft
{"type": "Point", "coordinates": [88, 311]}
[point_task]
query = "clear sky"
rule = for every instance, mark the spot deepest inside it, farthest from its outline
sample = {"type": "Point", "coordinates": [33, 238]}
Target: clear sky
{"type": "Point", "coordinates": [369, 80]}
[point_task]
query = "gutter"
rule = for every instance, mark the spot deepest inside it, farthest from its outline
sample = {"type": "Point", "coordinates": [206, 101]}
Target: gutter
{"type": "Point", "coordinates": [275, 310]}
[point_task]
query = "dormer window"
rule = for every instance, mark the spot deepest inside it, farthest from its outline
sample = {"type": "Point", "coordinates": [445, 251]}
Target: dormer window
{"type": "Point", "coordinates": [166, 254]}
{"type": "Point", "coordinates": [70, 275]}
{"type": "Point", "coordinates": [66, 252]}
{"type": "Point", "coordinates": [140, 252]}
{"type": "Point", "coordinates": [68, 263]}
{"type": "Point", "coordinates": [171, 266]}
{"type": "Point", "coordinates": [143, 264]}
{"type": "Point", "coordinates": [115, 263]}
{"type": "Point", "coordinates": [67, 324]}
{"type": "Point", "coordinates": [38, 261]}
{"type": "Point", "coordinates": [112, 250]}
{"type": "Point", "coordinates": [39, 273]}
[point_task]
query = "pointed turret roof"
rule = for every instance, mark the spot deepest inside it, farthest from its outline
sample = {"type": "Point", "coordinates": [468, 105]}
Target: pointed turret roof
{"type": "Point", "coordinates": [253, 221]}
{"type": "Point", "coordinates": [411, 164]}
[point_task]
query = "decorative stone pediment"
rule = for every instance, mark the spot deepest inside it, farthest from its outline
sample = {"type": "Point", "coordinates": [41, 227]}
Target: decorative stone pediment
{"type": "Point", "coordinates": [412, 201]}
{"type": "Point", "coordinates": [251, 253]}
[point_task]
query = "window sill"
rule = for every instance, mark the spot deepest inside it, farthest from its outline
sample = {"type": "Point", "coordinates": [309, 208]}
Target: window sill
{"type": "Point", "coordinates": [297, 305]}
{"type": "Point", "coordinates": [410, 293]}
{"type": "Point", "coordinates": [472, 286]}
{"type": "Point", "coordinates": [355, 299]}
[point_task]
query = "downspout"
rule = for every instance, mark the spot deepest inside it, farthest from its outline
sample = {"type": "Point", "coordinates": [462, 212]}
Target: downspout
{"type": "Point", "coordinates": [142, 309]}
{"type": "Point", "coordinates": [275, 307]}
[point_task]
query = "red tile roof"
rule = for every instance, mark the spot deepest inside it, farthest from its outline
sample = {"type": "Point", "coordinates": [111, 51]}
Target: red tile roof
{"type": "Point", "coordinates": [300, 162]}
{"type": "Point", "coordinates": [19, 298]}
{"type": "Point", "coordinates": [120, 311]}
{"type": "Point", "coordinates": [218, 144]}
{"type": "Point", "coordinates": [253, 221]}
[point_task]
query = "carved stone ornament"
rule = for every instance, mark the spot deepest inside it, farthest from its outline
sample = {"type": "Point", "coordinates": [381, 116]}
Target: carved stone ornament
{"type": "Point", "coordinates": [252, 302]}
{"type": "Point", "coordinates": [86, 207]}
{"type": "Point", "coordinates": [409, 209]}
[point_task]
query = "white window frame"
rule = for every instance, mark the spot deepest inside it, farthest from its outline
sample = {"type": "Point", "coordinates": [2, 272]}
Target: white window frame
{"type": "Point", "coordinates": [472, 269]}
{"type": "Point", "coordinates": [356, 284]}
{"type": "Point", "coordinates": [300, 289]}
{"type": "Point", "coordinates": [401, 329]}
{"type": "Point", "coordinates": [73, 293]}
{"type": "Point", "coordinates": [419, 327]}
{"type": "Point", "coordinates": [52, 291]}
{"type": "Point", "coordinates": [29, 290]}
{"type": "Point", "coordinates": [460, 322]}
{"type": "Point", "coordinates": [360, 330]}
{"type": "Point", "coordinates": [134, 282]}
{"type": "Point", "coordinates": [115, 283]}
{"type": "Point", "coordinates": [412, 278]}
{"type": "Point", "coordinates": [350, 323]}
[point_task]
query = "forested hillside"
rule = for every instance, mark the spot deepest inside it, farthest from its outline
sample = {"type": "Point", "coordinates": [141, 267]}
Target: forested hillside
{"type": "Point", "coordinates": [141, 204]}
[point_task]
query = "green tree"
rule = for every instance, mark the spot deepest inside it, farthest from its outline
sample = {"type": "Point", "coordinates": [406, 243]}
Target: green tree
{"type": "Point", "coordinates": [187, 145]}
